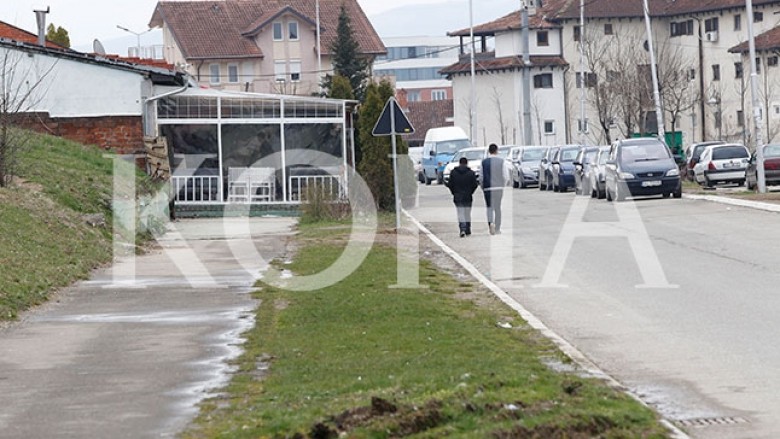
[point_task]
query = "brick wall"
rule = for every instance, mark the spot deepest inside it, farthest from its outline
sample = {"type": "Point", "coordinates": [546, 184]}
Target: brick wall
{"type": "Point", "coordinates": [122, 134]}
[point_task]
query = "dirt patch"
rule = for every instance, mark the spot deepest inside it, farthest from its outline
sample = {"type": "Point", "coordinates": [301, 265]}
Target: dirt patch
{"type": "Point", "coordinates": [396, 420]}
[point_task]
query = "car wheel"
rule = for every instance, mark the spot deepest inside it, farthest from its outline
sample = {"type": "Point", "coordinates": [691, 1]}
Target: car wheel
{"type": "Point", "coordinates": [741, 183]}
{"type": "Point", "coordinates": [515, 184]}
{"type": "Point", "coordinates": [594, 193]}
{"type": "Point", "coordinates": [521, 184]}
{"type": "Point", "coordinates": [667, 195]}
{"type": "Point", "coordinates": [707, 182]}
{"type": "Point", "coordinates": [678, 192]}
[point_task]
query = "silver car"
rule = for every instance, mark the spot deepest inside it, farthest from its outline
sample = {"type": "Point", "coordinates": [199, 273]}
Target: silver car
{"type": "Point", "coordinates": [598, 185]}
{"type": "Point", "coordinates": [525, 165]}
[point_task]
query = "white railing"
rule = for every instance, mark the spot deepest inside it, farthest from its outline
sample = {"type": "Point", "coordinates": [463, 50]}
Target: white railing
{"type": "Point", "coordinates": [330, 185]}
{"type": "Point", "coordinates": [196, 189]}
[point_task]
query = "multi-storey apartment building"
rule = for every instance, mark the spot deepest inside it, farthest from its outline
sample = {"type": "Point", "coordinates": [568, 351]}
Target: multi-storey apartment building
{"type": "Point", "coordinates": [265, 46]}
{"type": "Point", "coordinates": [702, 61]}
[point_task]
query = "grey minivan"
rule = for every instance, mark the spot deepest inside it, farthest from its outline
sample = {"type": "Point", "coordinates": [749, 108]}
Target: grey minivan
{"type": "Point", "coordinates": [641, 167]}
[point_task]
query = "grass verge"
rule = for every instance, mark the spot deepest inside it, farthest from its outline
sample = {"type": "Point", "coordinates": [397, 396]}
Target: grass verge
{"type": "Point", "coordinates": [359, 359]}
{"type": "Point", "coordinates": [46, 241]}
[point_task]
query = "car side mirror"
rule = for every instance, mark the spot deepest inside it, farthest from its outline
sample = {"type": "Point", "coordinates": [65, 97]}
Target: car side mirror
{"type": "Point", "coordinates": [432, 153]}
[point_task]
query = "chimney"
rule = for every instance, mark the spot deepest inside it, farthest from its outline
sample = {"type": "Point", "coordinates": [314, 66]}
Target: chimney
{"type": "Point", "coordinates": [40, 17]}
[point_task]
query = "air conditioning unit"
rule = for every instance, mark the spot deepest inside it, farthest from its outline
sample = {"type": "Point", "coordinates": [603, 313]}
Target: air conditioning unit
{"type": "Point", "coordinates": [711, 36]}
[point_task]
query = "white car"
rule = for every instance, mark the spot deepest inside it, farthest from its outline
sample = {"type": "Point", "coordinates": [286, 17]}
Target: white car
{"type": "Point", "coordinates": [725, 163]}
{"type": "Point", "coordinates": [473, 155]}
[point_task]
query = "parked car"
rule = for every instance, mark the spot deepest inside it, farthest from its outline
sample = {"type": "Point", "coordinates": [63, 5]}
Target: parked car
{"type": "Point", "coordinates": [597, 174]}
{"type": "Point", "coordinates": [584, 164]}
{"type": "Point", "coordinates": [724, 163]}
{"type": "Point", "coordinates": [525, 165]}
{"type": "Point", "coordinates": [771, 167]}
{"type": "Point", "coordinates": [473, 155]}
{"type": "Point", "coordinates": [545, 168]}
{"type": "Point", "coordinates": [562, 169]}
{"type": "Point", "coordinates": [641, 167]}
{"type": "Point", "coordinates": [693, 153]}
{"type": "Point", "coordinates": [415, 155]}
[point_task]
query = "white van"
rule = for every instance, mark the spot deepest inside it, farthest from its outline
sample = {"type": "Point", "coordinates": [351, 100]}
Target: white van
{"type": "Point", "coordinates": [439, 147]}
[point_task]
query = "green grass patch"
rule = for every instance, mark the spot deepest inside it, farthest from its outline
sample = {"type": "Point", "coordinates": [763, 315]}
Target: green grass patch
{"type": "Point", "coordinates": [45, 241]}
{"type": "Point", "coordinates": [366, 361]}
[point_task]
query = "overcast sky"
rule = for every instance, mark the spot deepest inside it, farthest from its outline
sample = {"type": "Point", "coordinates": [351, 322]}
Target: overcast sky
{"type": "Point", "coordinates": [86, 20]}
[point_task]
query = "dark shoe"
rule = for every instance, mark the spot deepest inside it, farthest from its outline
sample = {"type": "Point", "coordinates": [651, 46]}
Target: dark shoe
{"type": "Point", "coordinates": [462, 233]}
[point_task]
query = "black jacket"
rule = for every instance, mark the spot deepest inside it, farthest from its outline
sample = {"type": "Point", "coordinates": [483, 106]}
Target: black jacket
{"type": "Point", "coordinates": [462, 184]}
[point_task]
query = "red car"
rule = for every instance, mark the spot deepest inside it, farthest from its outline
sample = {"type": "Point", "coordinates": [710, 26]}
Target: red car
{"type": "Point", "coordinates": [771, 167]}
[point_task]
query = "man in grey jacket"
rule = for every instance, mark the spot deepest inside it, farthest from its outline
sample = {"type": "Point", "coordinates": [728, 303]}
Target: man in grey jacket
{"type": "Point", "coordinates": [493, 177]}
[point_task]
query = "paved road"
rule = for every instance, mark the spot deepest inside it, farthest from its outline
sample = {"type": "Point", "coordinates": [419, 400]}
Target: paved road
{"type": "Point", "coordinates": [116, 361]}
{"type": "Point", "coordinates": [705, 351]}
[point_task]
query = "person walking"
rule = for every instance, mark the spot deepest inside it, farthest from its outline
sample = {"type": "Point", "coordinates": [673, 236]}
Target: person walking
{"type": "Point", "coordinates": [462, 184]}
{"type": "Point", "coordinates": [493, 177]}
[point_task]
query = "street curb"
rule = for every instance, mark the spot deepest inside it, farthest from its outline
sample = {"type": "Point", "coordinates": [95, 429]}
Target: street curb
{"type": "Point", "coordinates": [568, 349]}
{"type": "Point", "coordinates": [769, 207]}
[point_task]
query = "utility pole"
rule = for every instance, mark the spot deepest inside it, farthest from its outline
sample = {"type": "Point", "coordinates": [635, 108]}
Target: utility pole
{"type": "Point", "coordinates": [319, 48]}
{"type": "Point", "coordinates": [528, 138]}
{"type": "Point", "coordinates": [582, 72]}
{"type": "Point", "coordinates": [759, 136]}
{"type": "Point", "coordinates": [659, 112]}
{"type": "Point", "coordinates": [472, 110]}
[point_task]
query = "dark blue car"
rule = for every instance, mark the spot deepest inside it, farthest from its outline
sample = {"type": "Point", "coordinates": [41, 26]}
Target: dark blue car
{"type": "Point", "coordinates": [641, 167]}
{"type": "Point", "coordinates": [562, 169]}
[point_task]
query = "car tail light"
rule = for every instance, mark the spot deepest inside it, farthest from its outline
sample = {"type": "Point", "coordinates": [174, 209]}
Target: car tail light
{"type": "Point", "coordinates": [712, 167]}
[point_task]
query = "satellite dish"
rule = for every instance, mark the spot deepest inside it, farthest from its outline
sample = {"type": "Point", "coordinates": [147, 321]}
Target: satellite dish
{"type": "Point", "coordinates": [98, 48]}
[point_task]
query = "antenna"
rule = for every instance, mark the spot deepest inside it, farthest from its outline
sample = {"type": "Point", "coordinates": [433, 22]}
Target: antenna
{"type": "Point", "coordinates": [97, 47]}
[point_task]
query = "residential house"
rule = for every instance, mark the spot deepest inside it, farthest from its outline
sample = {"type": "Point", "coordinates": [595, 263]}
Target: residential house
{"type": "Point", "coordinates": [264, 46]}
{"type": "Point", "coordinates": [498, 107]}
{"type": "Point", "coordinates": [703, 68]}
{"type": "Point", "coordinates": [88, 98]}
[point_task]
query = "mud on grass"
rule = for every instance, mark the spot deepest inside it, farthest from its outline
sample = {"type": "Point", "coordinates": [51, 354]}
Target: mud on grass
{"type": "Point", "coordinates": [359, 359]}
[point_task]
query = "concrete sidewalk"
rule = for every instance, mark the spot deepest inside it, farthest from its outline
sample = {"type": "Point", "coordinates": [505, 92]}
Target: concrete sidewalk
{"type": "Point", "coordinates": [130, 359]}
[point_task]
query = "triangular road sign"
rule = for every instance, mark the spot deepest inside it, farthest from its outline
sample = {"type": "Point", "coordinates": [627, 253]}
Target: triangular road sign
{"type": "Point", "coordinates": [399, 124]}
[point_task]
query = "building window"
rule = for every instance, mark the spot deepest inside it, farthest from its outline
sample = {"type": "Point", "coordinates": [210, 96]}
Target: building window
{"type": "Point", "coordinates": [740, 118]}
{"type": "Point", "coordinates": [542, 38]}
{"type": "Point", "coordinates": [577, 33]}
{"type": "Point", "coordinates": [413, 96]}
{"type": "Point", "coordinates": [682, 28]}
{"type": "Point", "coordinates": [718, 119]}
{"type": "Point", "coordinates": [716, 72]}
{"type": "Point", "coordinates": [438, 95]}
{"type": "Point", "coordinates": [613, 75]}
{"type": "Point", "coordinates": [549, 127]}
{"type": "Point", "coordinates": [233, 73]}
{"type": "Point", "coordinates": [738, 71]}
{"type": "Point", "coordinates": [545, 80]}
{"type": "Point", "coordinates": [608, 29]}
{"type": "Point", "coordinates": [758, 17]}
{"type": "Point", "coordinates": [280, 71]}
{"type": "Point", "coordinates": [691, 74]}
{"type": "Point", "coordinates": [711, 25]}
{"type": "Point", "coordinates": [278, 35]}
{"type": "Point", "coordinates": [771, 61]}
{"type": "Point", "coordinates": [758, 65]}
{"type": "Point", "coordinates": [591, 79]}
{"type": "Point", "coordinates": [292, 28]}
{"type": "Point", "coordinates": [214, 74]}
{"type": "Point", "coordinates": [737, 22]}
{"type": "Point", "coordinates": [295, 71]}
{"type": "Point", "coordinates": [583, 128]}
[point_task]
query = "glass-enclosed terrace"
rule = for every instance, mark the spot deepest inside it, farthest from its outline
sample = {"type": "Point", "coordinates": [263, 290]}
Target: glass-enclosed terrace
{"type": "Point", "coordinates": [253, 148]}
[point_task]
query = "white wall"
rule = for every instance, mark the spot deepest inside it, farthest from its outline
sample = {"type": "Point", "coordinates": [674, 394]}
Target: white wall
{"type": "Point", "coordinates": [75, 89]}
{"type": "Point", "coordinates": [510, 43]}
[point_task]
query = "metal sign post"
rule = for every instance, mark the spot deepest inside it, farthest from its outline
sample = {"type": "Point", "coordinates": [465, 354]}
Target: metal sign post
{"type": "Point", "coordinates": [389, 123]}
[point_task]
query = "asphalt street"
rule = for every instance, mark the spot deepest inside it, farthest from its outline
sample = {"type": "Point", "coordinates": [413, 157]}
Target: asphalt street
{"type": "Point", "coordinates": [130, 352]}
{"type": "Point", "coordinates": [676, 299]}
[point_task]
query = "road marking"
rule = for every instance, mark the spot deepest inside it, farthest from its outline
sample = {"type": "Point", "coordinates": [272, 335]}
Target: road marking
{"type": "Point", "coordinates": [566, 347]}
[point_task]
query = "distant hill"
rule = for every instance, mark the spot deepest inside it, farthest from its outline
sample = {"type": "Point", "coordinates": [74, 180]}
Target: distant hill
{"type": "Point", "coordinates": [449, 16]}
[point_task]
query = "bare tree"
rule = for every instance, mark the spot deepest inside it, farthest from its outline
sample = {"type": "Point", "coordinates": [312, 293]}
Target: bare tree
{"type": "Point", "coordinates": [21, 90]}
{"type": "Point", "coordinates": [499, 112]}
{"type": "Point", "coordinates": [674, 84]}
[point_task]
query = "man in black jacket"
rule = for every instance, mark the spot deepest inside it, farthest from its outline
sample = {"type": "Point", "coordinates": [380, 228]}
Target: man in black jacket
{"type": "Point", "coordinates": [462, 184]}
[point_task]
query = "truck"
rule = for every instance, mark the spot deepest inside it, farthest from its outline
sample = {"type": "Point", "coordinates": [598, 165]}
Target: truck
{"type": "Point", "coordinates": [440, 145]}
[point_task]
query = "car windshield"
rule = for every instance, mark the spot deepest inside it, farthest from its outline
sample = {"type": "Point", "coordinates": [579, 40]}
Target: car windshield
{"type": "Point", "coordinates": [568, 155]}
{"type": "Point", "coordinates": [451, 146]}
{"type": "Point", "coordinates": [729, 152]}
{"type": "Point", "coordinates": [472, 154]}
{"type": "Point", "coordinates": [503, 152]}
{"type": "Point", "coordinates": [772, 151]}
{"type": "Point", "coordinates": [603, 157]}
{"type": "Point", "coordinates": [697, 151]}
{"type": "Point", "coordinates": [533, 155]}
{"type": "Point", "coordinates": [590, 156]}
{"type": "Point", "coordinates": [644, 152]}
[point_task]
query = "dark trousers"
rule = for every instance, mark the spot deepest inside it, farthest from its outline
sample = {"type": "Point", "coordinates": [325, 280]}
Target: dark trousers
{"type": "Point", "coordinates": [464, 215]}
{"type": "Point", "coordinates": [493, 202]}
